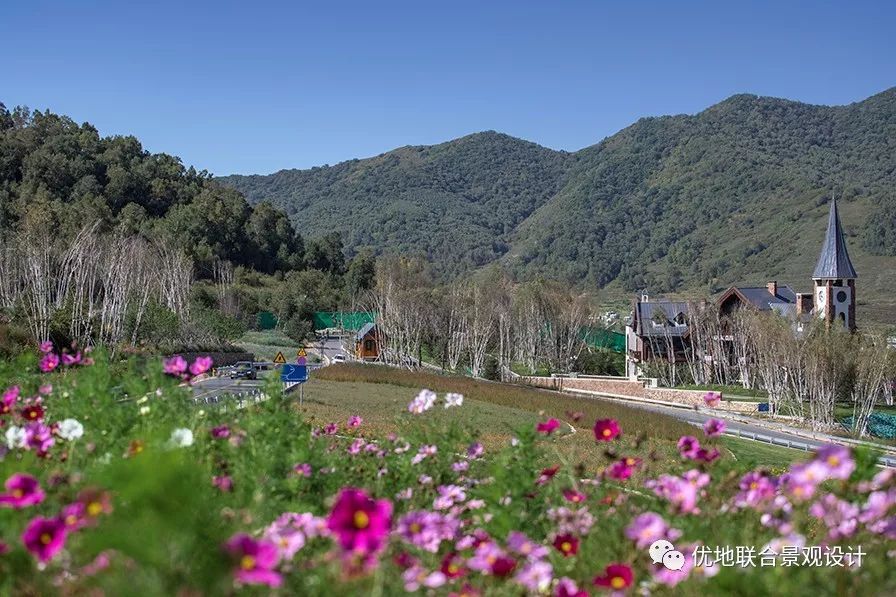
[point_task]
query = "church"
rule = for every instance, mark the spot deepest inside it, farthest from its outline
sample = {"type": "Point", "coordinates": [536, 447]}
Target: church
{"type": "Point", "coordinates": [658, 327]}
{"type": "Point", "coordinates": [833, 298]}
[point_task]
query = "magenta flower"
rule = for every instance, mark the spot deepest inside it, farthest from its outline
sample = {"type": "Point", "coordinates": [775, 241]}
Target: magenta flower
{"type": "Point", "coordinates": [622, 469]}
{"type": "Point", "coordinates": [548, 427]}
{"type": "Point", "coordinates": [49, 362]}
{"type": "Point", "coordinates": [535, 576]}
{"type": "Point", "coordinates": [9, 399]}
{"type": "Point", "coordinates": [756, 487]}
{"type": "Point", "coordinates": [427, 530]}
{"type": "Point", "coordinates": [71, 359]}
{"type": "Point", "coordinates": [712, 399]}
{"type": "Point", "coordinates": [44, 537]}
{"type": "Point", "coordinates": [837, 460]}
{"type": "Point", "coordinates": [616, 576]}
{"type": "Point", "coordinates": [681, 493]}
{"type": "Point", "coordinates": [568, 588]}
{"type": "Point", "coordinates": [46, 346]}
{"type": "Point", "coordinates": [220, 432]}
{"type": "Point", "coordinates": [176, 365]}
{"type": "Point", "coordinates": [39, 437]}
{"type": "Point", "coordinates": [546, 475]}
{"type": "Point", "coordinates": [360, 524]}
{"type": "Point", "coordinates": [840, 517]}
{"type": "Point", "coordinates": [223, 483]}
{"type": "Point", "coordinates": [355, 421]}
{"type": "Point", "coordinates": [22, 490]}
{"type": "Point", "coordinates": [475, 450]}
{"type": "Point", "coordinates": [688, 446]}
{"type": "Point", "coordinates": [574, 496]}
{"type": "Point", "coordinates": [519, 543]}
{"type": "Point", "coordinates": [714, 427]}
{"type": "Point", "coordinates": [606, 430]}
{"type": "Point", "coordinates": [74, 516]}
{"type": "Point", "coordinates": [256, 561]}
{"type": "Point", "coordinates": [303, 469]}
{"type": "Point", "coordinates": [650, 527]}
{"type": "Point", "coordinates": [200, 366]}
{"type": "Point", "coordinates": [704, 455]}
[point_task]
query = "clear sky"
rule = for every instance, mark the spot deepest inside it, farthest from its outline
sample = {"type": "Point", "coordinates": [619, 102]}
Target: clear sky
{"type": "Point", "coordinates": [256, 86]}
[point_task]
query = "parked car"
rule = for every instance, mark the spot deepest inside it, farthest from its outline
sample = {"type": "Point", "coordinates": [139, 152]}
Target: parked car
{"type": "Point", "coordinates": [244, 370]}
{"type": "Point", "coordinates": [339, 358]}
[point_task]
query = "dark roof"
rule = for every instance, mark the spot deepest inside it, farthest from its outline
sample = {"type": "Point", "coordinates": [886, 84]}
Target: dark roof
{"type": "Point", "coordinates": [763, 300]}
{"type": "Point", "coordinates": [364, 330]}
{"type": "Point", "coordinates": [834, 263]}
{"type": "Point", "coordinates": [671, 310]}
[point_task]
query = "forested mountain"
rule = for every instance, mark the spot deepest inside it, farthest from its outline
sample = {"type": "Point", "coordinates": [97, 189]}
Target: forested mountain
{"type": "Point", "coordinates": [57, 176]}
{"type": "Point", "coordinates": [735, 193]}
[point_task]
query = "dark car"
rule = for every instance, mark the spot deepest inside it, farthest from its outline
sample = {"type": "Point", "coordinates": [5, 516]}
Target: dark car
{"type": "Point", "coordinates": [243, 370]}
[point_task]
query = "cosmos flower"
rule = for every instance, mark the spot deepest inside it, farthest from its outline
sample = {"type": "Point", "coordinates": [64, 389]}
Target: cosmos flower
{"type": "Point", "coordinates": [688, 446]}
{"type": "Point", "coordinates": [536, 576]}
{"type": "Point", "coordinates": [255, 561]}
{"type": "Point", "coordinates": [49, 362]}
{"type": "Point", "coordinates": [574, 496]}
{"type": "Point", "coordinates": [22, 490]}
{"type": "Point", "coordinates": [453, 566]}
{"type": "Point", "coordinates": [546, 475]}
{"type": "Point", "coordinates": [46, 346]}
{"type": "Point", "coordinates": [566, 587]}
{"type": "Point", "coordinates": [622, 469]}
{"type": "Point", "coordinates": [176, 365]}
{"type": "Point", "coordinates": [519, 543]}
{"type": "Point", "coordinates": [475, 450]}
{"type": "Point", "coordinates": [220, 432]}
{"type": "Point", "coordinates": [303, 469]}
{"type": "Point", "coordinates": [33, 412]}
{"type": "Point", "coordinates": [355, 421]}
{"type": "Point", "coordinates": [712, 399]}
{"type": "Point", "coordinates": [837, 461]}
{"type": "Point", "coordinates": [422, 402]}
{"type": "Point", "coordinates": [359, 523]}
{"type": "Point", "coordinates": [650, 527]}
{"type": "Point", "coordinates": [714, 427]}
{"type": "Point", "coordinates": [44, 537]}
{"type": "Point", "coordinates": [39, 437]}
{"type": "Point", "coordinates": [200, 366]}
{"type": "Point", "coordinates": [606, 430]}
{"type": "Point", "coordinates": [416, 576]}
{"type": "Point", "coordinates": [616, 576]}
{"type": "Point", "coordinates": [16, 437]}
{"type": "Point", "coordinates": [8, 400]}
{"type": "Point", "coordinates": [756, 487]}
{"type": "Point", "coordinates": [453, 399]}
{"type": "Point", "coordinates": [223, 483]}
{"type": "Point", "coordinates": [181, 438]}
{"type": "Point", "coordinates": [567, 544]}
{"type": "Point", "coordinates": [70, 430]}
{"type": "Point", "coordinates": [548, 427]}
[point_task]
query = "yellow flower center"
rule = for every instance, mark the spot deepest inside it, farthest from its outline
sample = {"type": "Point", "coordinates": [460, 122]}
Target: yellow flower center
{"type": "Point", "coordinates": [617, 582]}
{"type": "Point", "coordinates": [630, 461]}
{"type": "Point", "coordinates": [566, 547]}
{"type": "Point", "coordinates": [607, 432]}
{"type": "Point", "coordinates": [17, 493]}
{"type": "Point", "coordinates": [94, 508]}
{"type": "Point", "coordinates": [361, 520]}
{"type": "Point", "coordinates": [247, 562]}
{"type": "Point", "coordinates": [32, 414]}
{"type": "Point", "coordinates": [452, 568]}
{"type": "Point", "coordinates": [415, 527]}
{"type": "Point", "coordinates": [46, 538]}
{"type": "Point", "coordinates": [833, 460]}
{"type": "Point", "coordinates": [754, 485]}
{"type": "Point", "coordinates": [71, 519]}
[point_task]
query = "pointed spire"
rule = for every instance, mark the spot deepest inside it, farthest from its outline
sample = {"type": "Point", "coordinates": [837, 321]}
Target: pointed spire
{"type": "Point", "coordinates": [834, 263]}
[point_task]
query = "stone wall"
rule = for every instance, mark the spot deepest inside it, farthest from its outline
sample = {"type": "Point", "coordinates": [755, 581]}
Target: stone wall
{"type": "Point", "coordinates": [622, 387]}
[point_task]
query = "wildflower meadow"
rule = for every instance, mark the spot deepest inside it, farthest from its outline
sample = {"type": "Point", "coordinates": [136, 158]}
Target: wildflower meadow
{"type": "Point", "coordinates": [115, 482]}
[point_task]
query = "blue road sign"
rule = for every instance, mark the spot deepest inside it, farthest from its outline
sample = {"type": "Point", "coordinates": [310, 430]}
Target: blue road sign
{"type": "Point", "coordinates": [294, 373]}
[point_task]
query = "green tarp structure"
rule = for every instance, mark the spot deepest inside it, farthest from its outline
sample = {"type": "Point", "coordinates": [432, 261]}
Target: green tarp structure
{"type": "Point", "coordinates": [266, 320]}
{"type": "Point", "coordinates": [603, 338]}
{"type": "Point", "coordinates": [346, 320]}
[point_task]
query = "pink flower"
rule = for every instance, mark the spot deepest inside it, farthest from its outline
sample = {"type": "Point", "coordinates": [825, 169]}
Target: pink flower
{"type": "Point", "coordinates": [756, 487]}
{"type": "Point", "coordinates": [475, 450]}
{"type": "Point", "coordinates": [355, 421]}
{"type": "Point", "coordinates": [567, 544]}
{"type": "Point", "coordinates": [46, 346]}
{"type": "Point", "coordinates": [688, 446]}
{"type": "Point", "coordinates": [712, 399]}
{"type": "Point", "coordinates": [176, 365]}
{"type": "Point", "coordinates": [220, 432]}
{"type": "Point", "coordinates": [546, 475]}
{"type": "Point", "coordinates": [606, 430]}
{"type": "Point", "coordinates": [574, 496]}
{"type": "Point", "coordinates": [39, 437]}
{"type": "Point", "coordinates": [71, 359]}
{"type": "Point", "coordinates": [44, 537]}
{"type": "Point", "coordinates": [255, 560]}
{"type": "Point", "coordinates": [521, 544]}
{"type": "Point", "coordinates": [416, 577]}
{"type": "Point", "coordinates": [9, 399]}
{"type": "Point", "coordinates": [841, 517]}
{"type": "Point", "coordinates": [223, 482]}
{"type": "Point", "coordinates": [650, 527]}
{"type": "Point", "coordinates": [360, 524]}
{"type": "Point", "coordinates": [670, 578]}
{"type": "Point", "coordinates": [704, 455]}
{"type": "Point", "coordinates": [22, 490]}
{"type": "Point", "coordinates": [622, 469]}
{"type": "Point", "coordinates": [568, 588]}
{"type": "Point", "coordinates": [535, 576]}
{"type": "Point", "coordinates": [427, 530]}
{"type": "Point", "coordinates": [49, 362]}
{"type": "Point", "coordinates": [303, 469]}
{"type": "Point", "coordinates": [74, 516]}
{"type": "Point", "coordinates": [714, 427]}
{"type": "Point", "coordinates": [200, 365]}
{"type": "Point", "coordinates": [837, 460]}
{"type": "Point", "coordinates": [616, 576]}
{"type": "Point", "coordinates": [681, 493]}
{"type": "Point", "coordinates": [548, 427]}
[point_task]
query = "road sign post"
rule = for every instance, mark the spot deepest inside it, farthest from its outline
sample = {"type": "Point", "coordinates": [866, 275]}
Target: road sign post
{"type": "Point", "coordinates": [297, 373]}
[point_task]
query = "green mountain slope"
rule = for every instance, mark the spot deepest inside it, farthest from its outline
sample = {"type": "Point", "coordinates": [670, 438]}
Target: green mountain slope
{"type": "Point", "coordinates": [735, 193]}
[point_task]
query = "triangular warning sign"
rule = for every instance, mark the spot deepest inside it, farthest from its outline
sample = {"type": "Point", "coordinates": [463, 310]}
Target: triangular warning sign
{"type": "Point", "coordinates": [280, 359]}
{"type": "Point", "coordinates": [301, 353]}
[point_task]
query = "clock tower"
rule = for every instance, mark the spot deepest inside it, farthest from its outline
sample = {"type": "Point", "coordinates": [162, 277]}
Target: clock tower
{"type": "Point", "coordinates": [835, 277]}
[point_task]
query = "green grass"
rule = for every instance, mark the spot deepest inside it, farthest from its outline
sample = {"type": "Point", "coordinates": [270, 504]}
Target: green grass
{"type": "Point", "coordinates": [379, 393]}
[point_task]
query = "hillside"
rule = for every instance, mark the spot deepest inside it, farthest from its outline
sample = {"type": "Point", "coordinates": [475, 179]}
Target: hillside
{"type": "Point", "coordinates": [735, 193]}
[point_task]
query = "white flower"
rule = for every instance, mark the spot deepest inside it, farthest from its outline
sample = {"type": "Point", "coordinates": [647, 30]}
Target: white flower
{"type": "Point", "coordinates": [144, 410]}
{"type": "Point", "coordinates": [181, 438]}
{"type": "Point", "coordinates": [422, 402]}
{"type": "Point", "coordinates": [15, 437]}
{"type": "Point", "coordinates": [70, 430]}
{"type": "Point", "coordinates": [452, 399]}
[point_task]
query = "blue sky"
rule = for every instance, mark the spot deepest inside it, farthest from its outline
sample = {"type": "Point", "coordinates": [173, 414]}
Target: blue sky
{"type": "Point", "coordinates": [253, 87]}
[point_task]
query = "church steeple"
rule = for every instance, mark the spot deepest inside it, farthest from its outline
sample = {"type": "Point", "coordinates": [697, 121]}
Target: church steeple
{"type": "Point", "coordinates": [834, 263]}
{"type": "Point", "coordinates": [835, 277]}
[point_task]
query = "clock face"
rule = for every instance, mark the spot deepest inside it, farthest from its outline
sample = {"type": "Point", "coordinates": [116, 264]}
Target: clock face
{"type": "Point", "coordinates": [841, 296]}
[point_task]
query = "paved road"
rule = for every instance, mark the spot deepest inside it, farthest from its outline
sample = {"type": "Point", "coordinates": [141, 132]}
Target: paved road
{"type": "Point", "coordinates": [329, 348]}
{"type": "Point", "coordinates": [736, 427]}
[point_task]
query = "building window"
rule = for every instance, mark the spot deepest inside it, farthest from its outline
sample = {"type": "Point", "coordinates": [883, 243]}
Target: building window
{"type": "Point", "coordinates": [368, 345]}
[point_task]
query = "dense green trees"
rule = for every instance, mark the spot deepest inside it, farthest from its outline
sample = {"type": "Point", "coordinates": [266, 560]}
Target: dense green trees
{"type": "Point", "coordinates": [735, 193]}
